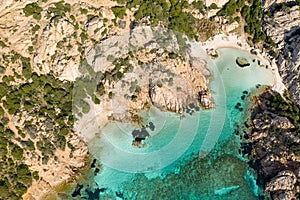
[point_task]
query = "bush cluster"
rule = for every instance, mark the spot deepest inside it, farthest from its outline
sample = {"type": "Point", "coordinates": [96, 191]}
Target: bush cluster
{"type": "Point", "coordinates": [48, 101]}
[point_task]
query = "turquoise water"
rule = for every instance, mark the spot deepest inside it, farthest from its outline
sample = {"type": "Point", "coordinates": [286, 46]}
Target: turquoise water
{"type": "Point", "coordinates": [195, 157]}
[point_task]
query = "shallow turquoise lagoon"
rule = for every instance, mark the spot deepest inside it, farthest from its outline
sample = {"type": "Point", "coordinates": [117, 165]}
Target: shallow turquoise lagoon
{"type": "Point", "coordinates": [195, 157]}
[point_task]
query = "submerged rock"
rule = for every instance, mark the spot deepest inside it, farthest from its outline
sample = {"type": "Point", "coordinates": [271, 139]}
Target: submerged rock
{"type": "Point", "coordinates": [242, 62]}
{"type": "Point", "coordinates": [226, 190]}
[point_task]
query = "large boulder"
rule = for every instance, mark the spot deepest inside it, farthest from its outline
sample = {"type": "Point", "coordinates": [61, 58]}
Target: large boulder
{"type": "Point", "coordinates": [282, 186]}
{"type": "Point", "coordinates": [242, 62]}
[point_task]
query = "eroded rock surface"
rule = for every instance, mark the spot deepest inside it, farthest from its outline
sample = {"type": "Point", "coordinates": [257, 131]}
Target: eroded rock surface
{"type": "Point", "coordinates": [157, 74]}
{"type": "Point", "coordinates": [284, 182]}
{"type": "Point", "coordinates": [281, 23]}
{"type": "Point", "coordinates": [275, 141]}
{"type": "Point", "coordinates": [242, 62]}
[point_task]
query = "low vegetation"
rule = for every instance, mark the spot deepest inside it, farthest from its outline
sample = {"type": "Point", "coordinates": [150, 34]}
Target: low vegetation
{"type": "Point", "coordinates": [121, 66]}
{"type": "Point", "coordinates": [47, 103]}
{"type": "Point", "coordinates": [285, 107]}
{"type": "Point", "coordinates": [58, 10]}
{"type": "Point", "coordinates": [252, 13]}
{"type": "Point", "coordinates": [171, 14]}
{"type": "Point", "coordinates": [119, 11]}
{"type": "Point", "coordinates": [33, 9]}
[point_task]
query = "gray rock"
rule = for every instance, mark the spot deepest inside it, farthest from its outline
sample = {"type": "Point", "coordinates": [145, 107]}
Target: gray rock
{"type": "Point", "coordinates": [285, 180]}
{"type": "Point", "coordinates": [283, 195]}
{"type": "Point", "coordinates": [282, 186]}
{"type": "Point", "coordinates": [283, 27]}
{"type": "Point", "coordinates": [242, 62]}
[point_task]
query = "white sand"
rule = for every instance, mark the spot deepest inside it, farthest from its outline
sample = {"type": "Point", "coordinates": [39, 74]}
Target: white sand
{"type": "Point", "coordinates": [234, 41]}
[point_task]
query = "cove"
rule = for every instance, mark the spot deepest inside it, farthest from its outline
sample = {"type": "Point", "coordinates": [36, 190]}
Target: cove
{"type": "Point", "coordinates": [195, 157]}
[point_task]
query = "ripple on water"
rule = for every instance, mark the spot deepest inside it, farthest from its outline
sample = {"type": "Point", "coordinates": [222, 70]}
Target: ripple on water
{"type": "Point", "coordinates": [219, 175]}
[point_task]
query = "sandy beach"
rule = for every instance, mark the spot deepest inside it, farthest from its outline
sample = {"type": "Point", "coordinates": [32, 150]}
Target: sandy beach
{"type": "Point", "coordinates": [234, 41]}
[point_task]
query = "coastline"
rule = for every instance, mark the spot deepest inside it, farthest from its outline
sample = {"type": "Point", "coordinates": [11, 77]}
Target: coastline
{"type": "Point", "coordinates": [108, 62]}
{"type": "Point", "coordinates": [61, 190]}
{"type": "Point", "coordinates": [234, 41]}
{"type": "Point", "coordinates": [218, 42]}
{"type": "Point", "coordinates": [276, 172]}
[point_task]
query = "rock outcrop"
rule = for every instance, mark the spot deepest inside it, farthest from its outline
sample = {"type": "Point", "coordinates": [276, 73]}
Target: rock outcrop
{"type": "Point", "coordinates": [159, 75]}
{"type": "Point", "coordinates": [281, 23]}
{"type": "Point", "coordinates": [275, 136]}
{"type": "Point", "coordinates": [275, 142]}
{"type": "Point", "coordinates": [282, 185]}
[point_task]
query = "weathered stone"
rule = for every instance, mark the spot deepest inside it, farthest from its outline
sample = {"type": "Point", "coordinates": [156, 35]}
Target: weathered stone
{"type": "Point", "coordinates": [283, 27]}
{"type": "Point", "coordinates": [285, 180]}
{"type": "Point", "coordinates": [242, 62]}
{"type": "Point", "coordinates": [282, 185]}
{"type": "Point", "coordinates": [277, 159]}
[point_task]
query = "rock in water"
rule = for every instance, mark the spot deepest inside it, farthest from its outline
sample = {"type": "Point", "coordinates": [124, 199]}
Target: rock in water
{"type": "Point", "coordinates": [242, 62]}
{"type": "Point", "coordinates": [206, 100]}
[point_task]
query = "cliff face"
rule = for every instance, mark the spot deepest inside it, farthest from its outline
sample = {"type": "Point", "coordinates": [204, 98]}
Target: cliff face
{"type": "Point", "coordinates": [281, 23]}
{"type": "Point", "coordinates": [275, 120]}
{"type": "Point", "coordinates": [275, 145]}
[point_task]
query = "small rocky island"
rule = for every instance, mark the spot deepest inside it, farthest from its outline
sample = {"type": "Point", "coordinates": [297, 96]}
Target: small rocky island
{"type": "Point", "coordinates": [242, 62]}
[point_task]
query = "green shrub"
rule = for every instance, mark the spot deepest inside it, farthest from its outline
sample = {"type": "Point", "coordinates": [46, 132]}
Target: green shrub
{"type": "Point", "coordinates": [213, 6]}
{"type": "Point", "coordinates": [273, 53]}
{"type": "Point", "coordinates": [2, 44]}
{"type": "Point", "coordinates": [35, 28]}
{"type": "Point", "coordinates": [229, 9]}
{"type": "Point", "coordinates": [33, 9]}
{"type": "Point", "coordinates": [26, 67]}
{"type": "Point", "coordinates": [60, 9]}
{"type": "Point", "coordinates": [61, 142]}
{"type": "Point", "coordinates": [17, 152]}
{"type": "Point", "coordinates": [4, 189]}
{"type": "Point", "coordinates": [83, 11]}
{"type": "Point", "coordinates": [3, 89]}
{"type": "Point", "coordinates": [119, 11]}
{"type": "Point", "coordinates": [172, 15]}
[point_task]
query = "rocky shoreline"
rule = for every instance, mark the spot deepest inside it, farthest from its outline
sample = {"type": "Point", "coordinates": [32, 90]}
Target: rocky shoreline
{"type": "Point", "coordinates": [54, 37]}
{"type": "Point", "coordinates": [273, 145]}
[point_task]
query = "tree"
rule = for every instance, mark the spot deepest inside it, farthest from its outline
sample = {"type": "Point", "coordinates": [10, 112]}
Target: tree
{"type": "Point", "coordinates": [17, 152]}
{"type": "Point", "coordinates": [213, 6]}
{"type": "Point", "coordinates": [33, 9]}
{"type": "Point", "coordinates": [4, 189]}
{"type": "Point", "coordinates": [3, 89]}
{"type": "Point", "coordinates": [119, 11]}
{"type": "Point", "coordinates": [26, 68]}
